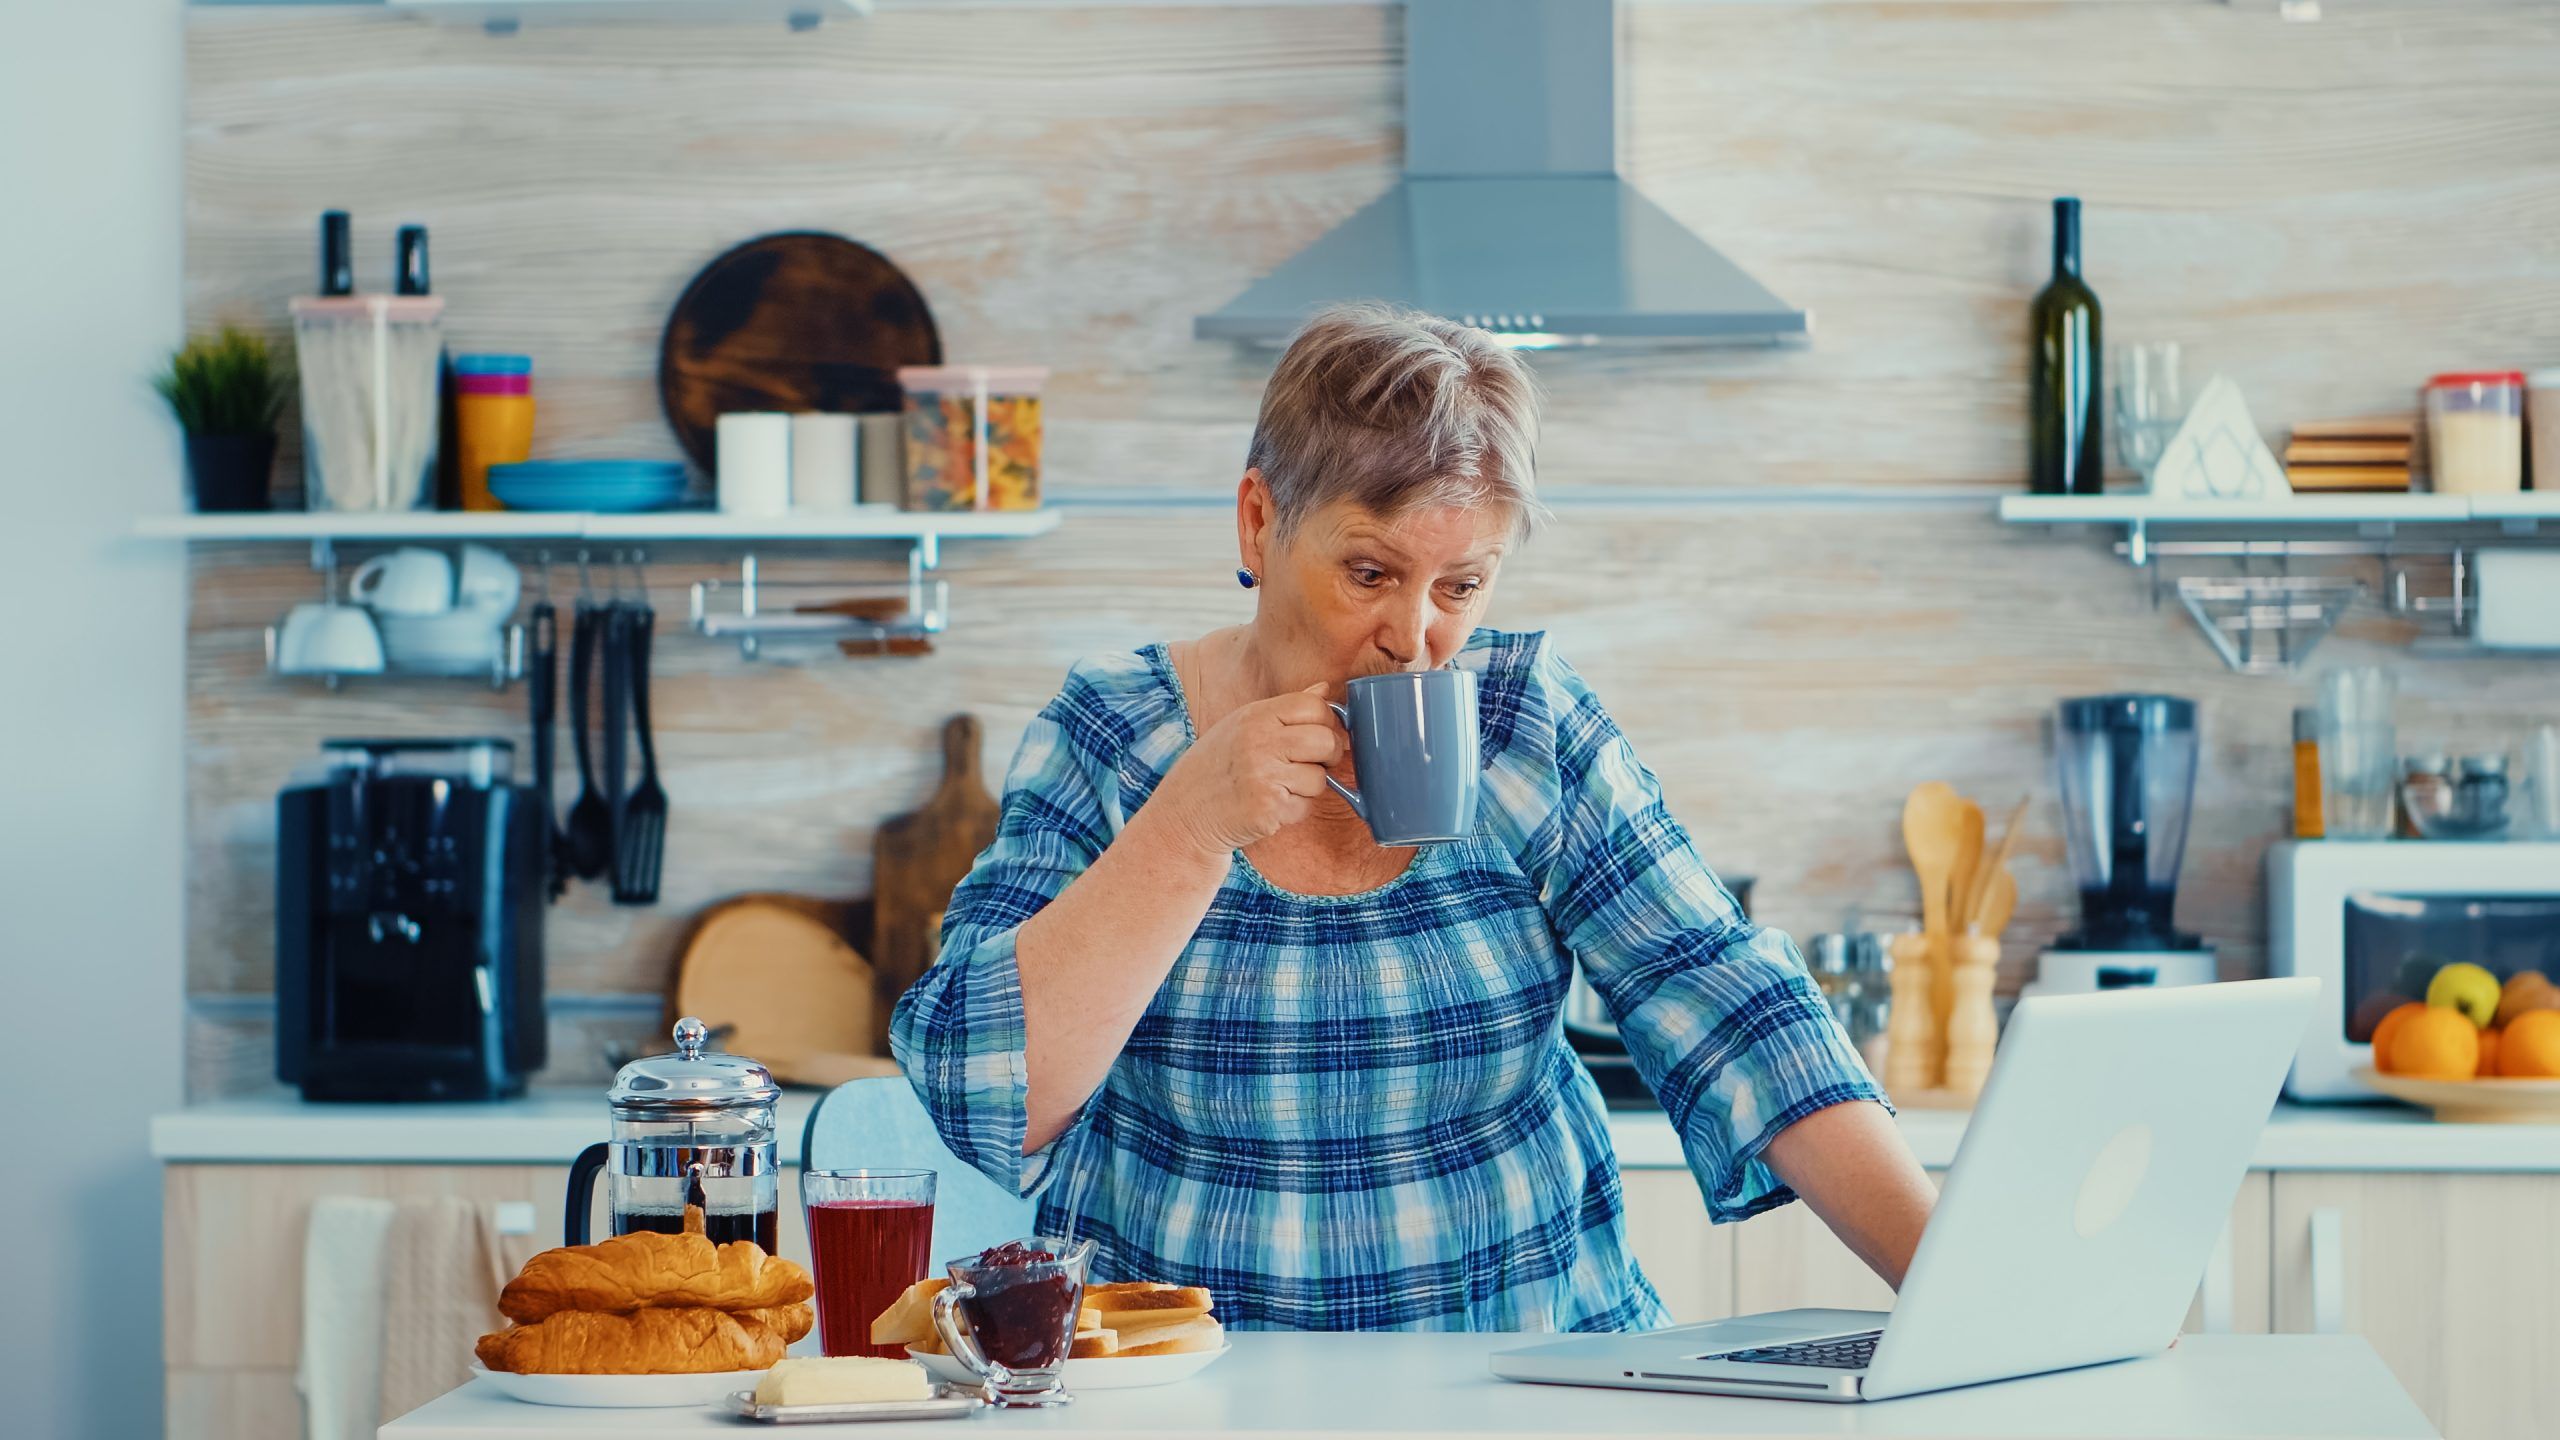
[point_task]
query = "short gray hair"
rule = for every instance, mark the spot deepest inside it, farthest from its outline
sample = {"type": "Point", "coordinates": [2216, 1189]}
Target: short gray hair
{"type": "Point", "coordinates": [1392, 410]}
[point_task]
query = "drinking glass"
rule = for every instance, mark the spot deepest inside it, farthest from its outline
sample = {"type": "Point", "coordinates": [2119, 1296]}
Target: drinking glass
{"type": "Point", "coordinates": [870, 1237]}
{"type": "Point", "coordinates": [2358, 753]}
{"type": "Point", "coordinates": [2149, 403]}
{"type": "Point", "coordinates": [2542, 803]}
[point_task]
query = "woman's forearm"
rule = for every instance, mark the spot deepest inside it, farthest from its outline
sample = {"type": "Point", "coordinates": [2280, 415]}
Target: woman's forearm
{"type": "Point", "coordinates": [1091, 960]}
{"type": "Point", "coordinates": [1850, 1164]}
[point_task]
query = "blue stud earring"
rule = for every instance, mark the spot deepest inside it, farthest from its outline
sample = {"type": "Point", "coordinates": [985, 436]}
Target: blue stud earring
{"type": "Point", "coordinates": [1247, 578]}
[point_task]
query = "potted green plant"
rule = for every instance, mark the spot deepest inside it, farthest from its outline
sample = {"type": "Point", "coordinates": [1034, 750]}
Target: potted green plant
{"type": "Point", "coordinates": [227, 391]}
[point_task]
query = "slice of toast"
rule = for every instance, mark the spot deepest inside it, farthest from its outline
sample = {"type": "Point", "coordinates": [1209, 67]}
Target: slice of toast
{"type": "Point", "coordinates": [1182, 1338]}
{"type": "Point", "coordinates": [909, 1321]}
{"type": "Point", "coordinates": [1163, 1305]}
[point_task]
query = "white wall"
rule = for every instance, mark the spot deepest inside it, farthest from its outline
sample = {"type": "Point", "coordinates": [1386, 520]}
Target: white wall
{"type": "Point", "coordinates": [91, 673]}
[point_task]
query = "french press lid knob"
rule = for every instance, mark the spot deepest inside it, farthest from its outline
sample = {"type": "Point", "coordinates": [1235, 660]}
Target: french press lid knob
{"type": "Point", "coordinates": [692, 1079]}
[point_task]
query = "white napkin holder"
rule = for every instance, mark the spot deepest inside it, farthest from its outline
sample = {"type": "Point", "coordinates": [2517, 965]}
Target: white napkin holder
{"type": "Point", "coordinates": [2217, 453]}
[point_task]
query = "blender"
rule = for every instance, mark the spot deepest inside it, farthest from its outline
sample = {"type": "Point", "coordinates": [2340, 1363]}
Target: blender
{"type": "Point", "coordinates": [2127, 765]}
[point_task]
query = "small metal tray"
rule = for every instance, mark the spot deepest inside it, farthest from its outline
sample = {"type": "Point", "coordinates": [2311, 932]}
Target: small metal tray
{"type": "Point", "coordinates": [949, 1402]}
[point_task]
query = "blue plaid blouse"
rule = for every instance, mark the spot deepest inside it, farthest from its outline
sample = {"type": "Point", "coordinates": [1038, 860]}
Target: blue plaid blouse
{"type": "Point", "coordinates": [1359, 1112]}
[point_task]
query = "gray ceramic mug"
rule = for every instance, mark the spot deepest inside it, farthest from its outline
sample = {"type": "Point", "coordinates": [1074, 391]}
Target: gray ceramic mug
{"type": "Point", "coordinates": [1413, 740]}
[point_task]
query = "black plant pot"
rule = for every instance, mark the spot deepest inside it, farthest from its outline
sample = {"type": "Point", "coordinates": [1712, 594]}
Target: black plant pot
{"type": "Point", "coordinates": [230, 472]}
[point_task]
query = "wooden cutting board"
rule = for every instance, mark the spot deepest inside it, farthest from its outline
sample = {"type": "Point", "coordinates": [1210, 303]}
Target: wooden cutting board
{"type": "Point", "coordinates": [791, 322]}
{"type": "Point", "coordinates": [918, 859]}
{"type": "Point", "coordinates": [799, 996]}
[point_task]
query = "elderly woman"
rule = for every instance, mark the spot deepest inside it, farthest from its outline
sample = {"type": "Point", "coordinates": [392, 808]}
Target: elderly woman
{"type": "Point", "coordinates": [1189, 1003]}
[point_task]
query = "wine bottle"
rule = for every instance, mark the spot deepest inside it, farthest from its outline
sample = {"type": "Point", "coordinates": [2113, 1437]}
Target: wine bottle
{"type": "Point", "coordinates": [337, 257]}
{"type": "Point", "coordinates": [410, 277]}
{"type": "Point", "coordinates": [2065, 390]}
{"type": "Point", "coordinates": [409, 269]}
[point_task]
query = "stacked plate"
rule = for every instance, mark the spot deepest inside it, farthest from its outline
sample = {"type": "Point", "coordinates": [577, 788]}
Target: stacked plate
{"type": "Point", "coordinates": [616, 486]}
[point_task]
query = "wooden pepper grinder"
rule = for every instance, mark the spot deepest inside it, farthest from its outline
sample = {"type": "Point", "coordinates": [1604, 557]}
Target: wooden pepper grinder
{"type": "Point", "coordinates": [1913, 1051]}
{"type": "Point", "coordinates": [1972, 1029]}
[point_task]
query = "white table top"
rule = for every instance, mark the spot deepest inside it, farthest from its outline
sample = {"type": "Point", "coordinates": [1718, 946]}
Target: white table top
{"type": "Point", "coordinates": [549, 1127]}
{"type": "Point", "coordinates": [1367, 1387]}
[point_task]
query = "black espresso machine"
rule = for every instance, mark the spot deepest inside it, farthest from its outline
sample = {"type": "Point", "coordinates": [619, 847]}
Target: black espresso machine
{"type": "Point", "coordinates": [410, 889]}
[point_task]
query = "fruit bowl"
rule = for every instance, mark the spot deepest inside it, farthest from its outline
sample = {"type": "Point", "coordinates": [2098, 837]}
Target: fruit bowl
{"type": "Point", "coordinates": [2473, 1102]}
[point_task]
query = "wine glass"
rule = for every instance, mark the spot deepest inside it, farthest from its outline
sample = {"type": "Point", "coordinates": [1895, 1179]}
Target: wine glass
{"type": "Point", "coordinates": [2149, 403]}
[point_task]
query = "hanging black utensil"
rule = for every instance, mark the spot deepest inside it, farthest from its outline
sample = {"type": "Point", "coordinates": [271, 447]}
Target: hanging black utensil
{"type": "Point", "coordinates": [542, 691]}
{"type": "Point", "coordinates": [587, 840]}
{"type": "Point", "coordinates": [644, 816]}
{"type": "Point", "coordinates": [613, 719]}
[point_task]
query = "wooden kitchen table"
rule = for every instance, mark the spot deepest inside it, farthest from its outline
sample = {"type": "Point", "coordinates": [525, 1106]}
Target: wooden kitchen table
{"type": "Point", "coordinates": [1368, 1387]}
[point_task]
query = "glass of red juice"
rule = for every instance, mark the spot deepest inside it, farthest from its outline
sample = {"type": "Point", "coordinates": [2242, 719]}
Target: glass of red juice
{"type": "Point", "coordinates": [870, 1237]}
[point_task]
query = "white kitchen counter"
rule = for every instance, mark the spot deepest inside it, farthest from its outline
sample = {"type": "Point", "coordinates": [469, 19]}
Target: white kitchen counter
{"type": "Point", "coordinates": [1334, 1387]}
{"type": "Point", "coordinates": [549, 1127]}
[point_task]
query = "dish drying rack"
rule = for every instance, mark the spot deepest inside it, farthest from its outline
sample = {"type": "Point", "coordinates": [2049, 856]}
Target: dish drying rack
{"type": "Point", "coordinates": [2413, 555]}
{"type": "Point", "coordinates": [907, 612]}
{"type": "Point", "coordinates": [504, 669]}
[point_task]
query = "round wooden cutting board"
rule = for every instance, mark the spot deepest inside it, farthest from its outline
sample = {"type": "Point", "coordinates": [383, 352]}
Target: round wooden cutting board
{"type": "Point", "coordinates": [792, 322]}
{"type": "Point", "coordinates": [799, 996]}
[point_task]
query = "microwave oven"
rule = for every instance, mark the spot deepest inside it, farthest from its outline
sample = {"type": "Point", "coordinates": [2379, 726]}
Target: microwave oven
{"type": "Point", "coordinates": [2374, 920]}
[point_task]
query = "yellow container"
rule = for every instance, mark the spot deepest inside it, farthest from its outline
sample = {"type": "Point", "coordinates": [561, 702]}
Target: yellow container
{"type": "Point", "coordinates": [492, 421]}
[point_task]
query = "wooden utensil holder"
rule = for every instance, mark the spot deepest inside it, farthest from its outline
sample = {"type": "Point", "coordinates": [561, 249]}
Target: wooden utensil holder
{"type": "Point", "coordinates": [1972, 1027]}
{"type": "Point", "coordinates": [1914, 1053]}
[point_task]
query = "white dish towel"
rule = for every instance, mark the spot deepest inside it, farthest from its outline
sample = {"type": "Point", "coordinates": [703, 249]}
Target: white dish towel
{"type": "Point", "coordinates": [340, 1375]}
{"type": "Point", "coordinates": [445, 1262]}
{"type": "Point", "coordinates": [394, 1293]}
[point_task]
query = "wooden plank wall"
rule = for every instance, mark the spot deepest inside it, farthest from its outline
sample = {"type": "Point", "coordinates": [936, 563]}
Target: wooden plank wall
{"type": "Point", "coordinates": [1779, 567]}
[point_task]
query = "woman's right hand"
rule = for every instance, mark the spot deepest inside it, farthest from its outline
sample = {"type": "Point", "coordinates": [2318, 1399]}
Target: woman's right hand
{"type": "Point", "coordinates": [1256, 770]}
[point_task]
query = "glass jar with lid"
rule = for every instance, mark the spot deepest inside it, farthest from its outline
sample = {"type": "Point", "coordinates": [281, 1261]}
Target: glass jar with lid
{"type": "Point", "coordinates": [691, 1130]}
{"type": "Point", "coordinates": [2475, 432]}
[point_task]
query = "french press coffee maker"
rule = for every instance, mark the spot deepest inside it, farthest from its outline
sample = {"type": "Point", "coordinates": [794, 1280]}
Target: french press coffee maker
{"type": "Point", "coordinates": [694, 1128]}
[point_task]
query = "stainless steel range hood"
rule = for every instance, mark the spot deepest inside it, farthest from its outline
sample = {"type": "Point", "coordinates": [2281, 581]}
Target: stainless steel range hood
{"type": "Point", "coordinates": [1511, 214]}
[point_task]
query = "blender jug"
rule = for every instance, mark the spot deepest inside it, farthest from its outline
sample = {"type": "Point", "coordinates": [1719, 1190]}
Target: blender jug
{"type": "Point", "coordinates": [691, 1129]}
{"type": "Point", "coordinates": [2128, 770]}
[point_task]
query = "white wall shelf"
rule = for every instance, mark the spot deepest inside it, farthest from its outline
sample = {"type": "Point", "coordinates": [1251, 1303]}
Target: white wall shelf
{"type": "Point", "coordinates": [664, 526]}
{"type": "Point", "coordinates": [505, 17]}
{"type": "Point", "coordinates": [920, 532]}
{"type": "Point", "coordinates": [2279, 527]}
{"type": "Point", "coordinates": [2137, 508]}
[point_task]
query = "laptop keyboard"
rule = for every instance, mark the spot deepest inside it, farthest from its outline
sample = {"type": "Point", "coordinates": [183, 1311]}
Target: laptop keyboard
{"type": "Point", "coordinates": [1841, 1352]}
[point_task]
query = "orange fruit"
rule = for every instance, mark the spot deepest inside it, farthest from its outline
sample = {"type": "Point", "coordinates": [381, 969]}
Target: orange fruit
{"type": "Point", "coordinates": [2531, 1047]}
{"type": "Point", "coordinates": [2526, 990]}
{"type": "Point", "coordinates": [2488, 1061]}
{"type": "Point", "coordinates": [2383, 1033]}
{"type": "Point", "coordinates": [2436, 1044]}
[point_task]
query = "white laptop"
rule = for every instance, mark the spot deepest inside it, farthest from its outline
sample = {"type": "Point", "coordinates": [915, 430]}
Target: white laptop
{"type": "Point", "coordinates": [2086, 1199]}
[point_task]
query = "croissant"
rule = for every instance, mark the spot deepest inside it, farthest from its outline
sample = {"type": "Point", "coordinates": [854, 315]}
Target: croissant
{"type": "Point", "coordinates": [649, 1267]}
{"type": "Point", "coordinates": [690, 1340]}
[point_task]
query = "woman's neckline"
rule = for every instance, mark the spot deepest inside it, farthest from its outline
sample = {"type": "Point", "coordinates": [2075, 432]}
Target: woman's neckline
{"type": "Point", "coordinates": [1159, 657]}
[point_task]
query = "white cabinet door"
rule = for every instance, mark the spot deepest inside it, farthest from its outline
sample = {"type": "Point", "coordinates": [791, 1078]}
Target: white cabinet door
{"type": "Point", "coordinates": [1788, 1259]}
{"type": "Point", "coordinates": [2454, 1279]}
{"type": "Point", "coordinates": [231, 1255]}
{"type": "Point", "coordinates": [1689, 1260]}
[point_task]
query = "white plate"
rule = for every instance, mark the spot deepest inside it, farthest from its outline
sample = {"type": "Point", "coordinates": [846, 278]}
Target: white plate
{"type": "Point", "coordinates": [620, 1392]}
{"type": "Point", "coordinates": [1097, 1373]}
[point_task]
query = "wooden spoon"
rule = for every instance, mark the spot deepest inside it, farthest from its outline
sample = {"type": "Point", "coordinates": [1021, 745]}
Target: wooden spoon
{"type": "Point", "coordinates": [1933, 831]}
{"type": "Point", "coordinates": [1999, 902]}
{"type": "Point", "coordinates": [1999, 858]}
{"type": "Point", "coordinates": [1960, 882]}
